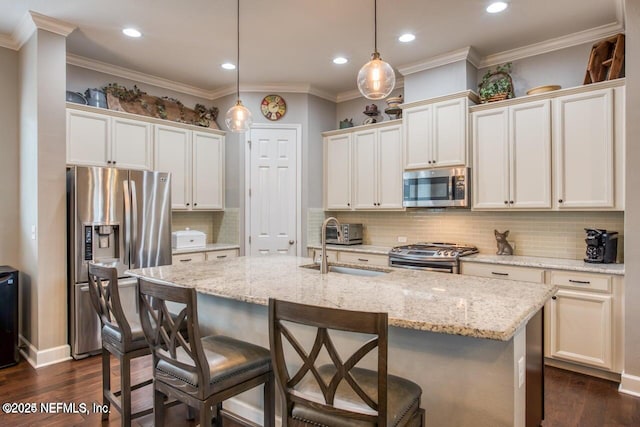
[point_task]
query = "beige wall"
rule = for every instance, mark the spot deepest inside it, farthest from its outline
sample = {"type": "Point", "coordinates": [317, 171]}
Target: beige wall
{"type": "Point", "coordinates": [632, 214]}
{"type": "Point", "coordinates": [9, 166]}
{"type": "Point", "coordinates": [43, 190]}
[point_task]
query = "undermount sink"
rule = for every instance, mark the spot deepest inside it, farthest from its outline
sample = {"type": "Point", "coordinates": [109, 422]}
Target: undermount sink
{"type": "Point", "coordinates": [354, 271]}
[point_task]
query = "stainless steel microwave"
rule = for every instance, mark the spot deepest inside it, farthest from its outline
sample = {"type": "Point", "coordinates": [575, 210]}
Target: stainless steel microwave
{"type": "Point", "coordinates": [350, 234]}
{"type": "Point", "coordinates": [436, 188]}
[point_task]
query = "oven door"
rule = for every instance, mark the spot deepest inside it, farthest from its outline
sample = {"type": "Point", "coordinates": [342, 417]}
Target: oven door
{"type": "Point", "coordinates": [436, 188]}
{"type": "Point", "coordinates": [426, 265]}
{"type": "Point", "coordinates": [332, 234]}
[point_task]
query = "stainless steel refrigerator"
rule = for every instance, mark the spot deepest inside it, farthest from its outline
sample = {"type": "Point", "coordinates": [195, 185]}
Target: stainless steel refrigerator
{"type": "Point", "coordinates": [115, 216]}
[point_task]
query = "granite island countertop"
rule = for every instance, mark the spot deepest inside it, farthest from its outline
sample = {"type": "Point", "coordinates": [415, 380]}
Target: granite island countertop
{"type": "Point", "coordinates": [428, 301]}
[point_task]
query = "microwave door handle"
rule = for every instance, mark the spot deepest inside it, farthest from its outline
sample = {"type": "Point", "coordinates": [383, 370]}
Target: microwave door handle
{"type": "Point", "coordinates": [127, 222]}
{"type": "Point", "coordinates": [452, 185]}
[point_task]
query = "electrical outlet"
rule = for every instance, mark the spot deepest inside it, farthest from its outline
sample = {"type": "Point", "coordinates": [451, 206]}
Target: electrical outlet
{"type": "Point", "coordinates": [521, 371]}
{"type": "Point", "coordinates": [402, 239]}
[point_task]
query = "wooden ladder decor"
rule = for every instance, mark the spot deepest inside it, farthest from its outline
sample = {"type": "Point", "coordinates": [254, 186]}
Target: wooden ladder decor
{"type": "Point", "coordinates": [606, 60]}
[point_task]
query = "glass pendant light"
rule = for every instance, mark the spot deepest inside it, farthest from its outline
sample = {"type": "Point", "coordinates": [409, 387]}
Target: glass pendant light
{"type": "Point", "coordinates": [376, 78]}
{"type": "Point", "coordinates": [238, 118]}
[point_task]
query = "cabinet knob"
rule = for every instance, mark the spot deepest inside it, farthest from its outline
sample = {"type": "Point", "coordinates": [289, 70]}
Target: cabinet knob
{"type": "Point", "coordinates": [348, 204]}
{"type": "Point", "coordinates": [560, 200]}
{"type": "Point", "coordinates": [506, 202]}
{"type": "Point", "coordinates": [554, 297]}
{"type": "Point", "coordinates": [188, 204]}
{"type": "Point", "coordinates": [195, 204]}
{"type": "Point", "coordinates": [510, 202]}
{"type": "Point", "coordinates": [114, 162]}
{"type": "Point", "coordinates": [108, 162]}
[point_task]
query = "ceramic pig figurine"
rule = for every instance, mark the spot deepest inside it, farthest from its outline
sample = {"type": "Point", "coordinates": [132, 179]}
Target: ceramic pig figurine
{"type": "Point", "coordinates": [504, 248]}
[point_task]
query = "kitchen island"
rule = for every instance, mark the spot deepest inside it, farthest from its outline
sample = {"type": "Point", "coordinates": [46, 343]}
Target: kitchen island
{"type": "Point", "coordinates": [467, 341]}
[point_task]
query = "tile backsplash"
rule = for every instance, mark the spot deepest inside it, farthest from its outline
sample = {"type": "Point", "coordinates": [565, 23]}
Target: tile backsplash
{"type": "Point", "coordinates": [220, 227]}
{"type": "Point", "coordinates": [545, 234]}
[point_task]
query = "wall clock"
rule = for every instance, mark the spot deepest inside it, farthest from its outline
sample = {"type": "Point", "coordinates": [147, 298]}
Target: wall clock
{"type": "Point", "coordinates": [273, 107]}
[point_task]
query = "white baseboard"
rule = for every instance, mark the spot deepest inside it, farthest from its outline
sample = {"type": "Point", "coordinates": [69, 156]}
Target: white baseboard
{"type": "Point", "coordinates": [247, 411]}
{"type": "Point", "coordinates": [41, 358]}
{"type": "Point", "coordinates": [629, 384]}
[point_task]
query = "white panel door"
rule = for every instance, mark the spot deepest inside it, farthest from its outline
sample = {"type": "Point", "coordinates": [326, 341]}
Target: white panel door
{"type": "Point", "coordinates": [418, 137]}
{"type": "Point", "coordinates": [208, 171]}
{"type": "Point", "coordinates": [88, 136]}
{"type": "Point", "coordinates": [491, 159]}
{"type": "Point", "coordinates": [173, 154]}
{"type": "Point", "coordinates": [581, 328]}
{"type": "Point", "coordinates": [337, 170]}
{"type": "Point", "coordinates": [530, 155]}
{"type": "Point", "coordinates": [450, 133]}
{"type": "Point", "coordinates": [583, 138]}
{"type": "Point", "coordinates": [390, 167]}
{"type": "Point", "coordinates": [131, 146]}
{"type": "Point", "coordinates": [365, 179]}
{"type": "Point", "coordinates": [273, 197]}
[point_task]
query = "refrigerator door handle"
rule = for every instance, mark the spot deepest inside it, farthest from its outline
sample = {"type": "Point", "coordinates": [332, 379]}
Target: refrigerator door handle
{"type": "Point", "coordinates": [134, 220]}
{"type": "Point", "coordinates": [127, 223]}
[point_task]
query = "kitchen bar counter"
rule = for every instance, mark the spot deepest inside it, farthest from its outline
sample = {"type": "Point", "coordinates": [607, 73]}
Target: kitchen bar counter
{"type": "Point", "coordinates": [551, 263]}
{"type": "Point", "coordinates": [426, 301]}
{"type": "Point", "coordinates": [463, 339]}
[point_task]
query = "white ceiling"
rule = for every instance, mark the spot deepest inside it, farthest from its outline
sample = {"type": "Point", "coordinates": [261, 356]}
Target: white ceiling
{"type": "Point", "coordinates": [294, 41]}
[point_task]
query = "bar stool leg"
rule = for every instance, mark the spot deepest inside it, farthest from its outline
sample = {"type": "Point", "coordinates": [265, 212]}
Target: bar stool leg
{"type": "Point", "coordinates": [125, 393]}
{"type": "Point", "coordinates": [269, 402]}
{"type": "Point", "coordinates": [205, 415]}
{"type": "Point", "coordinates": [106, 381]}
{"type": "Point", "coordinates": [158, 408]}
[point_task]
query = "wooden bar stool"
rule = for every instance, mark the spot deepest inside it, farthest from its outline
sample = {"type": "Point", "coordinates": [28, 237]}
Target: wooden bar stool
{"type": "Point", "coordinates": [122, 337]}
{"type": "Point", "coordinates": [338, 394]}
{"type": "Point", "coordinates": [201, 371]}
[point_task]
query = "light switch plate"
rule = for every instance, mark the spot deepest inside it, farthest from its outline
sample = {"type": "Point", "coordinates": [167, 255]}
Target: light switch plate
{"type": "Point", "coordinates": [402, 239]}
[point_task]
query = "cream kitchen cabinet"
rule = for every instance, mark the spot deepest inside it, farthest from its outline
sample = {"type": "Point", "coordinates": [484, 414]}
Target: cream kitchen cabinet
{"type": "Point", "coordinates": [337, 171]}
{"type": "Point", "coordinates": [583, 129]}
{"type": "Point", "coordinates": [512, 156]}
{"type": "Point", "coordinates": [435, 131]}
{"type": "Point", "coordinates": [95, 139]}
{"type": "Point", "coordinates": [196, 163]}
{"type": "Point", "coordinates": [377, 168]}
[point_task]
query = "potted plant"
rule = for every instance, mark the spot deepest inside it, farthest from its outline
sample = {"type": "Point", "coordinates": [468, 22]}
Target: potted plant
{"type": "Point", "coordinates": [496, 85]}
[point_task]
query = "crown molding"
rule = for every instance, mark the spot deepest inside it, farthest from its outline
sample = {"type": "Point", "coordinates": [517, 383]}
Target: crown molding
{"type": "Point", "coordinates": [574, 39]}
{"type": "Point", "coordinates": [464, 54]}
{"type": "Point", "coordinates": [355, 93]}
{"type": "Point", "coordinates": [115, 70]}
{"type": "Point", "coordinates": [32, 21]}
{"type": "Point", "coordinates": [8, 42]}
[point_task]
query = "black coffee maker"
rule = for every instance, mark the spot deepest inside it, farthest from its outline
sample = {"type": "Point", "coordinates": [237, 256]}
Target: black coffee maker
{"type": "Point", "coordinates": [602, 246]}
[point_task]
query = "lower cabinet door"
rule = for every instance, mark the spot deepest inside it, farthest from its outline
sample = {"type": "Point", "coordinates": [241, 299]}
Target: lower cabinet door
{"type": "Point", "coordinates": [581, 328]}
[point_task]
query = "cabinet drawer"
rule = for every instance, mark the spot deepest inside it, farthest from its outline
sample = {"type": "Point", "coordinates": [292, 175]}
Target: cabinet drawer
{"type": "Point", "coordinates": [523, 274]}
{"type": "Point", "coordinates": [220, 255]}
{"type": "Point", "coordinates": [594, 282]}
{"type": "Point", "coordinates": [185, 258]}
{"type": "Point", "coordinates": [361, 258]}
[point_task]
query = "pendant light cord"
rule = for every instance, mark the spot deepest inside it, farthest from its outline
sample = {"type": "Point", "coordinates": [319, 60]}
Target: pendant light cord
{"type": "Point", "coordinates": [238, 51]}
{"type": "Point", "coordinates": [375, 25]}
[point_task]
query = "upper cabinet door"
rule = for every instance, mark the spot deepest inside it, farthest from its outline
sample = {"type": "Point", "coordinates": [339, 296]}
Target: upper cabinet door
{"type": "Point", "coordinates": [390, 167]}
{"type": "Point", "coordinates": [450, 133]}
{"type": "Point", "coordinates": [173, 154]}
{"type": "Point", "coordinates": [418, 137]}
{"type": "Point", "coordinates": [530, 155]}
{"type": "Point", "coordinates": [365, 179]}
{"type": "Point", "coordinates": [88, 137]}
{"type": "Point", "coordinates": [491, 159]}
{"type": "Point", "coordinates": [131, 144]}
{"type": "Point", "coordinates": [583, 138]}
{"type": "Point", "coordinates": [208, 171]}
{"type": "Point", "coordinates": [338, 171]}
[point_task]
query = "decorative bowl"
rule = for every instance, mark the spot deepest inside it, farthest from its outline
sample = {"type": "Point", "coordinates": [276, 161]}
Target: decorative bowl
{"type": "Point", "coordinates": [393, 102]}
{"type": "Point", "coordinates": [543, 89]}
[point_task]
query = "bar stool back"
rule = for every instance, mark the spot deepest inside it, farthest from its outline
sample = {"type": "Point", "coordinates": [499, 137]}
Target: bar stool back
{"type": "Point", "coordinates": [122, 337]}
{"type": "Point", "coordinates": [338, 394]}
{"type": "Point", "coordinates": [199, 371]}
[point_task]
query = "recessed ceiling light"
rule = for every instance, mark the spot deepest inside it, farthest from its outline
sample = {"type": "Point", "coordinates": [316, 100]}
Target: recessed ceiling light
{"type": "Point", "coordinates": [228, 66]}
{"type": "Point", "coordinates": [131, 32]}
{"type": "Point", "coordinates": [340, 60]}
{"type": "Point", "coordinates": [497, 7]}
{"type": "Point", "coordinates": [406, 38]}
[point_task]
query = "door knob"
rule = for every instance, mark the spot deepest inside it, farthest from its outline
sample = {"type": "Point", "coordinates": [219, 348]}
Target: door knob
{"type": "Point", "coordinates": [291, 242]}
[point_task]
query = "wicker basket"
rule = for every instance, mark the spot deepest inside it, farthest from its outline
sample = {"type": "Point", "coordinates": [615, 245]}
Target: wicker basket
{"type": "Point", "coordinates": [495, 76]}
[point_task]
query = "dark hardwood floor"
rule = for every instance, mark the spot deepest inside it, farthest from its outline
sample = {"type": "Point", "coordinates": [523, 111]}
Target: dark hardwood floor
{"type": "Point", "coordinates": [571, 400]}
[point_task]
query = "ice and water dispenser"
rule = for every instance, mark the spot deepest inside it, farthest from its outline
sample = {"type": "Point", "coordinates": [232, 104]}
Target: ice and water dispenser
{"type": "Point", "coordinates": [101, 242]}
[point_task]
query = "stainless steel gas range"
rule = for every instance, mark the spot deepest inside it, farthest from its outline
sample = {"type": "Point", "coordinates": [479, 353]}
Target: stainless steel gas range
{"type": "Point", "coordinates": [443, 257]}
